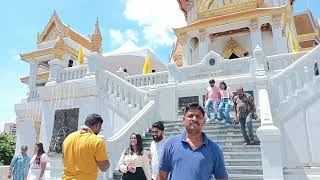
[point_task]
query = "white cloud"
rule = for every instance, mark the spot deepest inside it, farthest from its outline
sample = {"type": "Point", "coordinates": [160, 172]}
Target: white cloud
{"type": "Point", "coordinates": [157, 18]}
{"type": "Point", "coordinates": [116, 36]}
{"type": "Point", "coordinates": [119, 37]}
{"type": "Point", "coordinates": [132, 35]}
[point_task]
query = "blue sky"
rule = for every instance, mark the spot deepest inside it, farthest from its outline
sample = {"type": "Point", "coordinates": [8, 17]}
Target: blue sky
{"type": "Point", "coordinates": [145, 22]}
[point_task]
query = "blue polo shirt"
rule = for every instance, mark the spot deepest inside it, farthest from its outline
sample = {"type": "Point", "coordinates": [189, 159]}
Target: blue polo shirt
{"type": "Point", "coordinates": [183, 162]}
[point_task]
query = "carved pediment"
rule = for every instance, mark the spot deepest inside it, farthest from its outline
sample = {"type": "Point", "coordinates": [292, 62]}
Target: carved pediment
{"type": "Point", "coordinates": [53, 30]}
{"type": "Point", "coordinates": [233, 48]}
{"type": "Point", "coordinates": [212, 8]}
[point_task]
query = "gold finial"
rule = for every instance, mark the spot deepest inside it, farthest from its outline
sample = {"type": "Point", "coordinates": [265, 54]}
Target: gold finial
{"type": "Point", "coordinates": [96, 38]}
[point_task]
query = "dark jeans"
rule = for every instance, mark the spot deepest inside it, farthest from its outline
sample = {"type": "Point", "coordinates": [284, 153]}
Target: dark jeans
{"type": "Point", "coordinates": [246, 121]}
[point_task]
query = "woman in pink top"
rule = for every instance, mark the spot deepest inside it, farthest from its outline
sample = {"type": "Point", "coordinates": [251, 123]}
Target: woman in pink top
{"type": "Point", "coordinates": [225, 105]}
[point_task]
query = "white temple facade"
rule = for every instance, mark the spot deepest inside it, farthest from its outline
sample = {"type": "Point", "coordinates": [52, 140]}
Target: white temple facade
{"type": "Point", "coordinates": [252, 44]}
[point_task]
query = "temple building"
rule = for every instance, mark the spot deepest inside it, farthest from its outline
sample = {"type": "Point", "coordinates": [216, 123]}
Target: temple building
{"type": "Point", "coordinates": [235, 29]}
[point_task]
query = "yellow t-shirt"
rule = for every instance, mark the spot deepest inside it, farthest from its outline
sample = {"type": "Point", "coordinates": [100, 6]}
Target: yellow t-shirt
{"type": "Point", "coordinates": [81, 151]}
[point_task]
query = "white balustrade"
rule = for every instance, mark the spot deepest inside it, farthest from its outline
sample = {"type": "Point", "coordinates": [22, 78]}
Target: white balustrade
{"type": "Point", "coordinates": [33, 94]}
{"type": "Point", "coordinates": [295, 77]}
{"type": "Point", "coordinates": [72, 73]}
{"type": "Point", "coordinates": [113, 86]}
{"type": "Point", "coordinates": [148, 79]}
{"type": "Point", "coordinates": [282, 61]}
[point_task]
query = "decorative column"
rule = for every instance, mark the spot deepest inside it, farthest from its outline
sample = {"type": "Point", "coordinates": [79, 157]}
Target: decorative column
{"type": "Point", "coordinates": [56, 66]}
{"type": "Point", "coordinates": [204, 40]}
{"type": "Point", "coordinates": [277, 35]}
{"type": "Point", "coordinates": [33, 75]}
{"type": "Point", "coordinates": [255, 34]}
{"type": "Point", "coordinates": [185, 41]}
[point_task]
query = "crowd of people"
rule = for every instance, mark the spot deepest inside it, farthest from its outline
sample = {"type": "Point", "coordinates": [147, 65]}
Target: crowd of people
{"type": "Point", "coordinates": [22, 167]}
{"type": "Point", "coordinates": [189, 155]}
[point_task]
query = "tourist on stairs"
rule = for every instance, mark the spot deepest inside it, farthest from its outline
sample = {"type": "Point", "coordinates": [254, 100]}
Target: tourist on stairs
{"type": "Point", "coordinates": [134, 161]}
{"type": "Point", "coordinates": [19, 165]}
{"type": "Point", "coordinates": [38, 163]}
{"type": "Point", "coordinates": [226, 103]}
{"type": "Point", "coordinates": [245, 111]}
{"type": "Point", "coordinates": [212, 99]}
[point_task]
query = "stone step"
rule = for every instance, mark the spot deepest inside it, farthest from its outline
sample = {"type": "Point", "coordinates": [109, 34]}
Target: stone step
{"type": "Point", "coordinates": [245, 177]}
{"type": "Point", "coordinates": [223, 131]}
{"type": "Point", "coordinates": [210, 126]}
{"type": "Point", "coordinates": [222, 128]}
{"type": "Point", "coordinates": [212, 122]}
{"type": "Point", "coordinates": [243, 162]}
{"type": "Point", "coordinates": [242, 155]}
{"type": "Point", "coordinates": [234, 148]}
{"type": "Point", "coordinates": [210, 135]}
{"type": "Point", "coordinates": [257, 170]}
{"type": "Point", "coordinates": [221, 142]}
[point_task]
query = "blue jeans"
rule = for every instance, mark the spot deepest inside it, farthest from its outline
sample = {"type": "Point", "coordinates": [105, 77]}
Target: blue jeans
{"type": "Point", "coordinates": [247, 121]}
{"type": "Point", "coordinates": [224, 110]}
{"type": "Point", "coordinates": [210, 104]}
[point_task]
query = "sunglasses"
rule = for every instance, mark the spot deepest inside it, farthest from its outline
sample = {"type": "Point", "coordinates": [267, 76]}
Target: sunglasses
{"type": "Point", "coordinates": [24, 149]}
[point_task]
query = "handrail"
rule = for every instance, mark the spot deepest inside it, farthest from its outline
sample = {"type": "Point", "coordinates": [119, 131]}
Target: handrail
{"type": "Point", "coordinates": [303, 60]}
{"type": "Point", "coordinates": [148, 79]}
{"type": "Point", "coordinates": [71, 73]}
{"type": "Point", "coordinates": [123, 82]}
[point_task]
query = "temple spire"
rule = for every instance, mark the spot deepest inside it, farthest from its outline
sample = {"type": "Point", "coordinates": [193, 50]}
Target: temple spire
{"type": "Point", "coordinates": [96, 38]}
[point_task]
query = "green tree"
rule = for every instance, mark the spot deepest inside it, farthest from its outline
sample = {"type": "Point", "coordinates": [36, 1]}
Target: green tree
{"type": "Point", "coordinates": [7, 147]}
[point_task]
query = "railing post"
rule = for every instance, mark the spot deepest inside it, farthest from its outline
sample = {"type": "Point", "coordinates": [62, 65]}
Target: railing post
{"type": "Point", "coordinates": [269, 136]}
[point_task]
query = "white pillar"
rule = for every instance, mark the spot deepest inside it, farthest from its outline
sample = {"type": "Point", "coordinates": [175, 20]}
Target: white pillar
{"type": "Point", "coordinates": [33, 75]}
{"type": "Point", "coordinates": [186, 53]}
{"type": "Point", "coordinates": [255, 34]}
{"type": "Point", "coordinates": [204, 40]}
{"type": "Point", "coordinates": [278, 43]}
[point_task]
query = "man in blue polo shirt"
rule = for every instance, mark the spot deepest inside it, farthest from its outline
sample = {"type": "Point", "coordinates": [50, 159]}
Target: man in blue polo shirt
{"type": "Point", "coordinates": [191, 155]}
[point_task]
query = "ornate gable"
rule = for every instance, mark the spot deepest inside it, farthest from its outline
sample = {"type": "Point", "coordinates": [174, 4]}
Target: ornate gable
{"type": "Point", "coordinates": [233, 48]}
{"type": "Point", "coordinates": [52, 31]}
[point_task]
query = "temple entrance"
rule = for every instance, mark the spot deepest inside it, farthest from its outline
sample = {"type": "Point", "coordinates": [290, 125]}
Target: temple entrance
{"type": "Point", "coordinates": [233, 56]}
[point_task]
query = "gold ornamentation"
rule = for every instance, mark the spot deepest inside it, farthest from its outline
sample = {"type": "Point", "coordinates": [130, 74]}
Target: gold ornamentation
{"type": "Point", "coordinates": [236, 17]}
{"type": "Point", "coordinates": [307, 37]}
{"type": "Point", "coordinates": [56, 27]}
{"type": "Point", "coordinates": [37, 127]}
{"type": "Point", "coordinates": [59, 49]}
{"type": "Point", "coordinates": [41, 77]}
{"type": "Point", "coordinates": [96, 38]}
{"type": "Point", "coordinates": [216, 8]}
{"type": "Point", "coordinates": [232, 47]}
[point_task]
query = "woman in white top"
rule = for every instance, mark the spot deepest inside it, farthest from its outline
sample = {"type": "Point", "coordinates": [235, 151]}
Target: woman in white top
{"type": "Point", "coordinates": [38, 163]}
{"type": "Point", "coordinates": [134, 162]}
{"type": "Point", "coordinates": [225, 103]}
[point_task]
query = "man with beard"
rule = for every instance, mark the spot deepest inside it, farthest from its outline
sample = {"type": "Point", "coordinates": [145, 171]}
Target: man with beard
{"type": "Point", "coordinates": [156, 147]}
{"type": "Point", "coordinates": [191, 155]}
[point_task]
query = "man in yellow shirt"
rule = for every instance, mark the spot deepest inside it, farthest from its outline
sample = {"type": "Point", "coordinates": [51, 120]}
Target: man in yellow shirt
{"type": "Point", "coordinates": [83, 151]}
